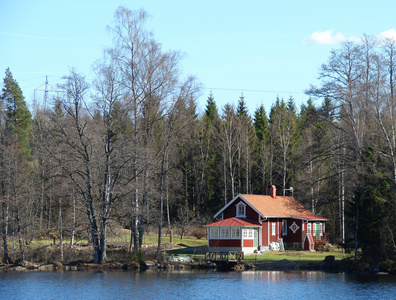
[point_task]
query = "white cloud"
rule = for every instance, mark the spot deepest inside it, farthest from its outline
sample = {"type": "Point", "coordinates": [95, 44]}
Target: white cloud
{"type": "Point", "coordinates": [325, 38]}
{"type": "Point", "coordinates": [389, 34]}
{"type": "Point", "coordinates": [328, 37]}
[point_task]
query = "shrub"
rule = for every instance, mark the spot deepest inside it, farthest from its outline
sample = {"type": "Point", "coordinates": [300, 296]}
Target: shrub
{"type": "Point", "coordinates": [199, 233]}
{"type": "Point", "coordinates": [387, 266]}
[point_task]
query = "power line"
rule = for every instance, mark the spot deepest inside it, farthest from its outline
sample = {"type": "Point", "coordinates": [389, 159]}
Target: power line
{"type": "Point", "coordinates": [256, 91]}
{"type": "Point", "coordinates": [29, 79]}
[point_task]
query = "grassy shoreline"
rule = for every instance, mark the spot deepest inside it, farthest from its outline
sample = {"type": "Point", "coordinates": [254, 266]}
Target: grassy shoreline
{"type": "Point", "coordinates": [293, 255]}
{"type": "Point", "coordinates": [45, 251]}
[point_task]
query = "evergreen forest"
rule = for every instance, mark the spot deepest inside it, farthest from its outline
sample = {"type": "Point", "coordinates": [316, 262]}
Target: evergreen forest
{"type": "Point", "coordinates": [131, 148]}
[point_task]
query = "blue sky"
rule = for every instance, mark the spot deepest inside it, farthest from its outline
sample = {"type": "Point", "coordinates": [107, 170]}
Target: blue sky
{"type": "Point", "coordinates": [262, 49]}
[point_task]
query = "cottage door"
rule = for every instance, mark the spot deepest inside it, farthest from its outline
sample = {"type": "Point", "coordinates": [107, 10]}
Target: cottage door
{"type": "Point", "coordinates": [255, 240]}
{"type": "Point", "coordinates": [317, 230]}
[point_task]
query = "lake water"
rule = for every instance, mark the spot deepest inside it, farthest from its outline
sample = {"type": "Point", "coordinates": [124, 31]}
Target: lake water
{"type": "Point", "coordinates": [195, 285]}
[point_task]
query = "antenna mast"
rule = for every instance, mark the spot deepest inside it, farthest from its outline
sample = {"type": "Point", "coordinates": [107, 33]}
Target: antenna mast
{"type": "Point", "coordinates": [46, 91]}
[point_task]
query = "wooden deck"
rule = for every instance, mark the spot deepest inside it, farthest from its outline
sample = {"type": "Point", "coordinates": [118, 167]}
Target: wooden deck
{"type": "Point", "coordinates": [227, 257]}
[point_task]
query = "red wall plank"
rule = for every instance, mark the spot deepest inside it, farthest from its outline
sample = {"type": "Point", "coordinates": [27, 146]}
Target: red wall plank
{"type": "Point", "coordinates": [224, 243]}
{"type": "Point", "coordinates": [247, 243]}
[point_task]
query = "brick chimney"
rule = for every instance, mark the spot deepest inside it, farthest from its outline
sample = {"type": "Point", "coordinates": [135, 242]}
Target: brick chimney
{"type": "Point", "coordinates": [272, 191]}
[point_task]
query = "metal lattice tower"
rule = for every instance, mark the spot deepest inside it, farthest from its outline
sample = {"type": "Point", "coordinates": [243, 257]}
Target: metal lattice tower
{"type": "Point", "coordinates": [47, 89]}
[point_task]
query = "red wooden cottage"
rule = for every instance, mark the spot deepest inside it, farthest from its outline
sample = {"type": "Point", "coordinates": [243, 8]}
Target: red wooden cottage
{"type": "Point", "coordinates": [252, 223]}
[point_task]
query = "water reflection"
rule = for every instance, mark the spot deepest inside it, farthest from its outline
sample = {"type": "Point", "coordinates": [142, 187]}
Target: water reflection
{"type": "Point", "coordinates": [194, 285]}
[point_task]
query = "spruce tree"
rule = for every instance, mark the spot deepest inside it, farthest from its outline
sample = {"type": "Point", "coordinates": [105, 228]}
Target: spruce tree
{"type": "Point", "coordinates": [261, 170]}
{"type": "Point", "coordinates": [18, 117]}
{"type": "Point", "coordinates": [211, 114]}
{"type": "Point", "coordinates": [261, 123]}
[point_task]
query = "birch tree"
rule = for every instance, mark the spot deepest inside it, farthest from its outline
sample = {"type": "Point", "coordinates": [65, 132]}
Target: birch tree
{"type": "Point", "coordinates": [146, 74]}
{"type": "Point", "coordinates": [283, 133]}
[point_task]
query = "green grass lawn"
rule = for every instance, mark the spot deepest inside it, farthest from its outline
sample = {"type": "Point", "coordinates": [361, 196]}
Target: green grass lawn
{"type": "Point", "coordinates": [292, 255]}
{"type": "Point", "coordinates": [46, 242]}
{"type": "Point", "coordinates": [303, 256]}
{"type": "Point", "coordinates": [177, 241]}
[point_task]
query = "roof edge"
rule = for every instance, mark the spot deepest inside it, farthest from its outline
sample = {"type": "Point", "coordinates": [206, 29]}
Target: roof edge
{"type": "Point", "coordinates": [235, 198]}
{"type": "Point", "coordinates": [225, 206]}
{"type": "Point", "coordinates": [239, 223]}
{"type": "Point", "coordinates": [314, 218]}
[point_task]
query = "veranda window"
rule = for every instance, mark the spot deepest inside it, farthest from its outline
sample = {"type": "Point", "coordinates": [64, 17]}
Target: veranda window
{"type": "Point", "coordinates": [214, 233]}
{"type": "Point", "coordinates": [235, 233]}
{"type": "Point", "coordinates": [224, 232]}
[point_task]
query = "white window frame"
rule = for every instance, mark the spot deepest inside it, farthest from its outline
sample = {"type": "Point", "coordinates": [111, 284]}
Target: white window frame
{"type": "Point", "coordinates": [235, 233]}
{"type": "Point", "coordinates": [245, 233]}
{"type": "Point", "coordinates": [214, 233]}
{"type": "Point", "coordinates": [321, 229]}
{"type": "Point", "coordinates": [273, 228]}
{"type": "Point", "coordinates": [284, 227]}
{"type": "Point", "coordinates": [317, 228]}
{"type": "Point", "coordinates": [225, 233]}
{"type": "Point", "coordinates": [243, 206]}
{"type": "Point", "coordinates": [314, 229]}
{"type": "Point", "coordinates": [248, 233]}
{"type": "Point", "coordinates": [309, 228]}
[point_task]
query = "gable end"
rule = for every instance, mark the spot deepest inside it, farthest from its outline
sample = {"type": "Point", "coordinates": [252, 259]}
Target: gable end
{"type": "Point", "coordinates": [236, 202]}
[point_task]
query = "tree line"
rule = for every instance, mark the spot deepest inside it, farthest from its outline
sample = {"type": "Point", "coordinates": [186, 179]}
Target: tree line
{"type": "Point", "coordinates": [131, 148]}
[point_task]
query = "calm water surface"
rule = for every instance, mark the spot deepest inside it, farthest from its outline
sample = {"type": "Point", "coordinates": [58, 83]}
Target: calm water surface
{"type": "Point", "coordinates": [195, 285]}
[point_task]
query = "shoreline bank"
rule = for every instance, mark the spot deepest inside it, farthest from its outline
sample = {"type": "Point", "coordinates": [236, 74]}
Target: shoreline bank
{"type": "Point", "coordinates": [328, 265]}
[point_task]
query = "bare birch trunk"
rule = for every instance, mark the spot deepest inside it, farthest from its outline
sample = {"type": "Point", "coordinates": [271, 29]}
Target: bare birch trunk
{"type": "Point", "coordinates": [6, 258]}
{"type": "Point", "coordinates": [161, 206]}
{"type": "Point", "coordinates": [60, 230]}
{"type": "Point", "coordinates": [73, 230]}
{"type": "Point", "coordinates": [19, 233]}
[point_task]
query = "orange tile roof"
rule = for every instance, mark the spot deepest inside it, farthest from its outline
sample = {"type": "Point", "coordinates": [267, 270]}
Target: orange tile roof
{"type": "Point", "coordinates": [280, 206]}
{"type": "Point", "coordinates": [234, 222]}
